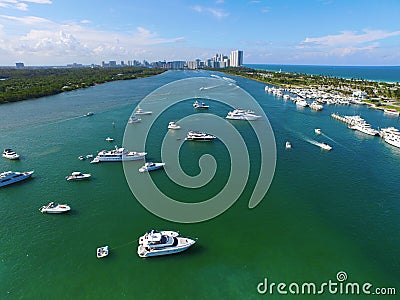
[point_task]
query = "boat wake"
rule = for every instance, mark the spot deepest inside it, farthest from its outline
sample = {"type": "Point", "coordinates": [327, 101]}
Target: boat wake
{"type": "Point", "coordinates": [208, 87]}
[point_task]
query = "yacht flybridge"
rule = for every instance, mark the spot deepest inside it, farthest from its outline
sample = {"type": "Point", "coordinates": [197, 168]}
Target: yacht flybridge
{"type": "Point", "coordinates": [157, 243]}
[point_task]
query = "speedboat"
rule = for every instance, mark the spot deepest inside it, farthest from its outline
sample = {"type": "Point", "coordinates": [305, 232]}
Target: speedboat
{"type": "Point", "coordinates": [10, 154]}
{"type": "Point", "coordinates": [102, 251]}
{"type": "Point", "coordinates": [77, 176]}
{"type": "Point", "coordinates": [325, 146]}
{"type": "Point", "coordinates": [81, 157]}
{"type": "Point", "coordinates": [119, 154]}
{"type": "Point", "coordinates": [9, 177]}
{"type": "Point", "coordinates": [199, 136]}
{"type": "Point", "coordinates": [317, 131]}
{"type": "Point", "coordinates": [140, 111]}
{"type": "Point", "coordinates": [200, 105]}
{"type": "Point", "coordinates": [288, 145]}
{"type": "Point", "coordinates": [55, 208]}
{"type": "Point", "coordinates": [89, 156]}
{"type": "Point", "coordinates": [89, 114]}
{"type": "Point", "coordinates": [134, 119]}
{"type": "Point", "coordinates": [242, 114]}
{"type": "Point", "coordinates": [109, 139]}
{"type": "Point", "coordinates": [157, 243]}
{"type": "Point", "coordinates": [150, 166]}
{"type": "Point", "coordinates": [173, 125]}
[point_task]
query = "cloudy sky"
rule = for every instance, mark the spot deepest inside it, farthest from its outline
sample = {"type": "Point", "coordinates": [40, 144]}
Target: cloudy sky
{"type": "Point", "coordinates": [323, 32]}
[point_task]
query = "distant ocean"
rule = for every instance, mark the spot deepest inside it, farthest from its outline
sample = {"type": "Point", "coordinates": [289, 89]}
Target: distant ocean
{"type": "Point", "coordinates": [375, 73]}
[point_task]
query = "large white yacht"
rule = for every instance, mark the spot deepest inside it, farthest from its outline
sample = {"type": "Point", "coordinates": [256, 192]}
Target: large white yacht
{"type": "Point", "coordinates": [55, 208]}
{"type": "Point", "coordinates": [242, 114]}
{"type": "Point", "coordinates": [10, 154]}
{"type": "Point", "coordinates": [156, 243]}
{"type": "Point", "coordinates": [316, 106]}
{"type": "Point", "coordinates": [389, 130]}
{"type": "Point", "coordinates": [10, 177]}
{"type": "Point", "coordinates": [199, 136]}
{"type": "Point", "coordinates": [364, 127]}
{"type": "Point", "coordinates": [302, 103]}
{"type": "Point", "coordinates": [119, 154]}
{"type": "Point", "coordinates": [150, 166]}
{"type": "Point", "coordinates": [392, 139]}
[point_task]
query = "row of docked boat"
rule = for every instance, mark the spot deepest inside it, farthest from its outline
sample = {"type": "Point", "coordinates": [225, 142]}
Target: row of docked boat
{"type": "Point", "coordinates": [390, 135]}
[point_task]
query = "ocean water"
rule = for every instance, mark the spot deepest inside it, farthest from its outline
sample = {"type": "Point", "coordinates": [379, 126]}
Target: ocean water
{"type": "Point", "coordinates": [325, 212]}
{"type": "Point", "coordinates": [374, 73]}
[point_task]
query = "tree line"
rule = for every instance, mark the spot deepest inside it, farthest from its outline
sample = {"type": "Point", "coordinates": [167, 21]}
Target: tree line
{"type": "Point", "coordinates": [23, 84]}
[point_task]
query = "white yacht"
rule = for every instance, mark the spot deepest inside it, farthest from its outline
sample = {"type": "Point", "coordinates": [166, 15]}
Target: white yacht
{"type": "Point", "coordinates": [288, 145]}
{"type": "Point", "coordinates": [389, 130]}
{"type": "Point", "coordinates": [200, 105]}
{"type": "Point", "coordinates": [109, 139]}
{"type": "Point", "coordinates": [55, 208]}
{"type": "Point", "coordinates": [134, 119]}
{"type": "Point", "coordinates": [390, 111]}
{"type": "Point", "coordinates": [364, 128]}
{"type": "Point", "coordinates": [9, 177]}
{"type": "Point", "coordinates": [77, 176]}
{"type": "Point", "coordinates": [150, 166]}
{"type": "Point", "coordinates": [173, 126]}
{"type": "Point", "coordinates": [88, 114]}
{"type": "Point", "coordinates": [119, 154]}
{"type": "Point", "coordinates": [325, 146]}
{"type": "Point", "coordinates": [302, 103]}
{"type": "Point", "coordinates": [317, 131]}
{"type": "Point", "coordinates": [316, 106]}
{"type": "Point", "coordinates": [199, 136]}
{"type": "Point", "coordinates": [102, 252]}
{"type": "Point", "coordinates": [140, 111]}
{"type": "Point", "coordinates": [156, 243]}
{"type": "Point", "coordinates": [242, 114]}
{"type": "Point", "coordinates": [10, 154]}
{"type": "Point", "coordinates": [392, 139]}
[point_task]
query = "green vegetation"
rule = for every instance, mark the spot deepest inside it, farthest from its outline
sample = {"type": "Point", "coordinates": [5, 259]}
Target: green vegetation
{"type": "Point", "coordinates": [382, 93]}
{"type": "Point", "coordinates": [23, 84]}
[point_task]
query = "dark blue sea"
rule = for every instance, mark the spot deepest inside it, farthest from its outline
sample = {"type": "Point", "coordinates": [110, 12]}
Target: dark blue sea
{"type": "Point", "coordinates": [375, 73]}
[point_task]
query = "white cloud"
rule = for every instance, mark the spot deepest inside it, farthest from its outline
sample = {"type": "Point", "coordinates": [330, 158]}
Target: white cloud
{"type": "Point", "coordinates": [265, 10]}
{"type": "Point", "coordinates": [21, 4]}
{"type": "Point", "coordinates": [350, 38]}
{"type": "Point", "coordinates": [218, 13]}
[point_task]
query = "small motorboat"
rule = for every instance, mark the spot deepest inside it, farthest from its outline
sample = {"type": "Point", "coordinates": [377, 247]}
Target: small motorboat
{"type": "Point", "coordinates": [288, 145]}
{"type": "Point", "coordinates": [55, 208]}
{"type": "Point", "coordinates": [10, 154]}
{"type": "Point", "coordinates": [140, 111]}
{"type": "Point", "coordinates": [102, 251]}
{"type": "Point", "coordinates": [325, 146]}
{"type": "Point", "coordinates": [81, 157]}
{"type": "Point", "coordinates": [109, 139]}
{"type": "Point", "coordinates": [150, 166]}
{"type": "Point", "coordinates": [173, 125]}
{"type": "Point", "coordinates": [89, 156]}
{"type": "Point", "coordinates": [317, 131]}
{"type": "Point", "coordinates": [134, 119]}
{"type": "Point", "coordinates": [77, 176]}
{"type": "Point", "coordinates": [88, 114]}
{"type": "Point", "coordinates": [200, 105]}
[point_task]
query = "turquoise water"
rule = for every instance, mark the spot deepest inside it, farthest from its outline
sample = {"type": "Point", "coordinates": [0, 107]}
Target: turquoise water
{"type": "Point", "coordinates": [375, 73]}
{"type": "Point", "coordinates": [325, 212]}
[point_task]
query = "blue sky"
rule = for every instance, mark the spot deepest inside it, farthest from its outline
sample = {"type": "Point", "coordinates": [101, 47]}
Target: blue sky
{"type": "Point", "coordinates": [320, 32]}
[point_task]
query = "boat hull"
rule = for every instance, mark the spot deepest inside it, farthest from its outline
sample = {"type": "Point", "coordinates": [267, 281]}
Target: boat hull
{"type": "Point", "coordinates": [16, 180]}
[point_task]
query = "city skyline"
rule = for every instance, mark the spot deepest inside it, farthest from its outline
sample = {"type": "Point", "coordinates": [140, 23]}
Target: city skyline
{"type": "Point", "coordinates": [319, 32]}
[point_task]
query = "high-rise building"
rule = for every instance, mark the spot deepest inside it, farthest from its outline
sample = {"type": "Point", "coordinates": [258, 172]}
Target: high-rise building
{"type": "Point", "coordinates": [236, 58]}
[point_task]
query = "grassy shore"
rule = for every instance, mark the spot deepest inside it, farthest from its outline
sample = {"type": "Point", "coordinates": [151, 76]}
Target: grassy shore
{"type": "Point", "coordinates": [24, 84]}
{"type": "Point", "coordinates": [379, 94]}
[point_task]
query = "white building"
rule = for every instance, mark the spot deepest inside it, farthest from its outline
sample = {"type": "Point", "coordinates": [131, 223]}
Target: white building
{"type": "Point", "coordinates": [236, 58]}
